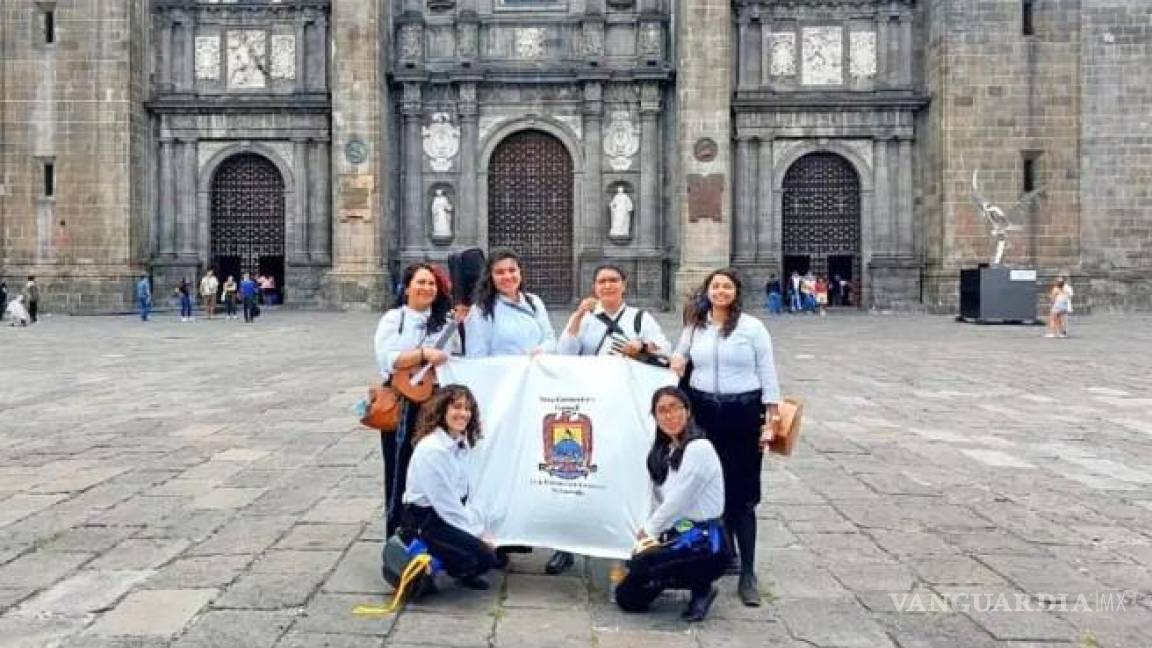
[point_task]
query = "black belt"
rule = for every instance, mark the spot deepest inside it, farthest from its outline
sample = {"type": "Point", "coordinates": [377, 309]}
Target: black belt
{"type": "Point", "coordinates": [742, 398]}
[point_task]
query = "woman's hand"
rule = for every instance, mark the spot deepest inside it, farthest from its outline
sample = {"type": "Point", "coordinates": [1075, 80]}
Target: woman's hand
{"type": "Point", "coordinates": [678, 365]}
{"type": "Point", "coordinates": [488, 540]}
{"type": "Point", "coordinates": [773, 426]}
{"type": "Point", "coordinates": [633, 347]}
{"type": "Point", "coordinates": [587, 305]}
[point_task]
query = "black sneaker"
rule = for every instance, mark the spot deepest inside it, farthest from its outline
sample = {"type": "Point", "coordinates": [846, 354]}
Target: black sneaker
{"type": "Point", "coordinates": [560, 562]}
{"type": "Point", "coordinates": [473, 583]}
{"type": "Point", "coordinates": [698, 606]}
{"type": "Point", "coordinates": [748, 589]}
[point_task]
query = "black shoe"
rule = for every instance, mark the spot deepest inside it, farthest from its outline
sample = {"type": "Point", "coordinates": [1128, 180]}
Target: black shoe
{"type": "Point", "coordinates": [560, 562]}
{"type": "Point", "coordinates": [698, 606]}
{"type": "Point", "coordinates": [748, 589]}
{"type": "Point", "coordinates": [473, 583]}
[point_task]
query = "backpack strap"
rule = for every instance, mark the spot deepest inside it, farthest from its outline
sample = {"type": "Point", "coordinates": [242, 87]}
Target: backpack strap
{"type": "Point", "coordinates": [637, 321]}
{"type": "Point", "coordinates": [401, 330]}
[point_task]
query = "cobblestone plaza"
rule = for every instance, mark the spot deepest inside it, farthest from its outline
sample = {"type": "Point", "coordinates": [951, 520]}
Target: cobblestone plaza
{"type": "Point", "coordinates": [206, 485]}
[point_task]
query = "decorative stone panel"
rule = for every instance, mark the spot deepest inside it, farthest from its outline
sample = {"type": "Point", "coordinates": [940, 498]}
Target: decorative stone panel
{"type": "Point", "coordinates": [247, 58]}
{"type": "Point", "coordinates": [621, 141]}
{"type": "Point", "coordinates": [208, 58]}
{"type": "Point", "coordinates": [441, 141]}
{"type": "Point", "coordinates": [782, 54]}
{"type": "Point", "coordinates": [283, 57]}
{"type": "Point", "coordinates": [862, 55]}
{"type": "Point", "coordinates": [822, 52]}
{"type": "Point", "coordinates": [530, 42]}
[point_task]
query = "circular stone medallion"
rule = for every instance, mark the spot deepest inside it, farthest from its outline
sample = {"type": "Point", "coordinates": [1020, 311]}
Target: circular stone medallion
{"type": "Point", "coordinates": [705, 149]}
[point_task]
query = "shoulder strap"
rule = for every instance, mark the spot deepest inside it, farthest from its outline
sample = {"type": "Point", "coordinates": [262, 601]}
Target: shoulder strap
{"type": "Point", "coordinates": [401, 329]}
{"type": "Point", "coordinates": [638, 320]}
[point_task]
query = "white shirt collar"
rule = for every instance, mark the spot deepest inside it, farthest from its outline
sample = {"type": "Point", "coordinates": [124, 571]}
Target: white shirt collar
{"type": "Point", "coordinates": [600, 309]}
{"type": "Point", "coordinates": [447, 442]}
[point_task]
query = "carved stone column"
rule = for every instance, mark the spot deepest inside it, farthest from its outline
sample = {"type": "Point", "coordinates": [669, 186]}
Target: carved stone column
{"type": "Point", "coordinates": [302, 23]}
{"type": "Point", "coordinates": [884, 213]}
{"type": "Point", "coordinates": [744, 204]}
{"type": "Point", "coordinates": [320, 45]}
{"type": "Point", "coordinates": [412, 110]}
{"type": "Point", "coordinates": [319, 213]}
{"type": "Point", "coordinates": [905, 234]}
{"type": "Point", "coordinates": [594, 210]}
{"type": "Point", "coordinates": [467, 215]}
{"type": "Point", "coordinates": [167, 233]}
{"type": "Point", "coordinates": [166, 54]}
{"type": "Point", "coordinates": [298, 232]}
{"type": "Point", "coordinates": [904, 54]}
{"type": "Point", "coordinates": [186, 222]}
{"type": "Point", "coordinates": [882, 78]}
{"type": "Point", "coordinates": [649, 226]}
{"type": "Point", "coordinates": [187, 56]}
{"type": "Point", "coordinates": [767, 220]}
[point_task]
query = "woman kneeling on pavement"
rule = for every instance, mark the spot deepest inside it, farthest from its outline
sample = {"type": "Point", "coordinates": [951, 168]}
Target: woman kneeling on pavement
{"type": "Point", "coordinates": [682, 544]}
{"type": "Point", "coordinates": [436, 497]}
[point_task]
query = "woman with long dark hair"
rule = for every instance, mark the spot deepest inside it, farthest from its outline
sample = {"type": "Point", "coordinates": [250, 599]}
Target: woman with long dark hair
{"type": "Point", "coordinates": [682, 544]}
{"type": "Point", "coordinates": [435, 502]}
{"type": "Point", "coordinates": [405, 337]}
{"type": "Point", "coordinates": [505, 318]}
{"type": "Point", "coordinates": [734, 392]}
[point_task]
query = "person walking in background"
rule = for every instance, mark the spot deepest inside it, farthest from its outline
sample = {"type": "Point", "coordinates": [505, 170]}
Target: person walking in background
{"type": "Point", "coordinates": [774, 297]}
{"type": "Point", "coordinates": [249, 292]}
{"type": "Point", "coordinates": [144, 297]}
{"type": "Point", "coordinates": [32, 298]}
{"type": "Point", "coordinates": [794, 292]}
{"type": "Point", "coordinates": [229, 296]}
{"type": "Point", "coordinates": [184, 290]}
{"type": "Point", "coordinates": [16, 311]}
{"type": "Point", "coordinates": [1058, 315]}
{"type": "Point", "coordinates": [3, 299]}
{"type": "Point", "coordinates": [822, 295]}
{"type": "Point", "coordinates": [267, 288]}
{"type": "Point", "coordinates": [208, 287]}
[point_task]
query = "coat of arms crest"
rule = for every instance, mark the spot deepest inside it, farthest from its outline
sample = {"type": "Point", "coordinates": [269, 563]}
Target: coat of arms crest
{"type": "Point", "coordinates": [568, 445]}
{"type": "Point", "coordinates": [621, 141]}
{"type": "Point", "coordinates": [441, 141]}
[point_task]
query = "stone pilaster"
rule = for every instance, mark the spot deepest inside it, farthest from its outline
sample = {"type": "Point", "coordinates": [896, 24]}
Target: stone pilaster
{"type": "Point", "coordinates": [467, 221]}
{"type": "Point", "coordinates": [594, 209]}
{"type": "Point", "coordinates": [412, 206]}
{"type": "Point", "coordinates": [648, 227]}
{"type": "Point", "coordinates": [704, 91]}
{"type": "Point", "coordinates": [357, 276]}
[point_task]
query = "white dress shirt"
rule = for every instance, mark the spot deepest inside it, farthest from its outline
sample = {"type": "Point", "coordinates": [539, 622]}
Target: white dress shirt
{"type": "Point", "coordinates": [513, 328]}
{"type": "Point", "coordinates": [694, 492]}
{"type": "Point", "coordinates": [741, 362]}
{"type": "Point", "coordinates": [591, 333]}
{"type": "Point", "coordinates": [390, 341]}
{"type": "Point", "coordinates": [438, 477]}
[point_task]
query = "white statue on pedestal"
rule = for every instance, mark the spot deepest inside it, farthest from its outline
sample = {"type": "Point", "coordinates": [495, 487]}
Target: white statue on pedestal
{"type": "Point", "coordinates": [441, 215]}
{"type": "Point", "coordinates": [1000, 223]}
{"type": "Point", "coordinates": [621, 208]}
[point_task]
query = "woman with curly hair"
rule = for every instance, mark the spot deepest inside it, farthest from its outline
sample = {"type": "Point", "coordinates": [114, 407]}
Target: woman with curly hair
{"type": "Point", "coordinates": [435, 502]}
{"type": "Point", "coordinates": [505, 319]}
{"type": "Point", "coordinates": [405, 337]}
{"type": "Point", "coordinates": [682, 543]}
{"type": "Point", "coordinates": [734, 393]}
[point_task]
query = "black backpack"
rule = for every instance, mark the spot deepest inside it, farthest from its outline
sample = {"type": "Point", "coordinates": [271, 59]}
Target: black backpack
{"type": "Point", "coordinates": [465, 267]}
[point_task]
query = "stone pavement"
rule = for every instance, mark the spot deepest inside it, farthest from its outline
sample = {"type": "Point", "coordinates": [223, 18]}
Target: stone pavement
{"type": "Point", "coordinates": [205, 485]}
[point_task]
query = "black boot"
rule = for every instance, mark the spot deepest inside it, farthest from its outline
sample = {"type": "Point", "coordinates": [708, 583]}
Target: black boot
{"type": "Point", "coordinates": [733, 567]}
{"type": "Point", "coordinates": [699, 605]}
{"type": "Point", "coordinates": [745, 531]}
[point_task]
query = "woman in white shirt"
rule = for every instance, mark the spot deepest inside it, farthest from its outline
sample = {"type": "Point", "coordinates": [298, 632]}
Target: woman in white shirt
{"type": "Point", "coordinates": [406, 337]}
{"type": "Point", "coordinates": [734, 393]}
{"type": "Point", "coordinates": [605, 325]}
{"type": "Point", "coordinates": [505, 319]}
{"type": "Point", "coordinates": [682, 544]}
{"type": "Point", "coordinates": [436, 501]}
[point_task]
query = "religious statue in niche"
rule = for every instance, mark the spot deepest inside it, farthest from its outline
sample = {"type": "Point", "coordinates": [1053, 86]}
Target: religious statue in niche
{"type": "Point", "coordinates": [621, 208]}
{"type": "Point", "coordinates": [441, 141]}
{"type": "Point", "coordinates": [441, 216]}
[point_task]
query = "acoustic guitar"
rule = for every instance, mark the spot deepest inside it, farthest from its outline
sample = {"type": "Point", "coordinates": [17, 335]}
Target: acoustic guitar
{"type": "Point", "coordinates": [417, 383]}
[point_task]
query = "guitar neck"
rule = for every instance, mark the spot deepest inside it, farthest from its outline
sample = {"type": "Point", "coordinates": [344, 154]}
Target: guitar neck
{"type": "Point", "coordinates": [445, 335]}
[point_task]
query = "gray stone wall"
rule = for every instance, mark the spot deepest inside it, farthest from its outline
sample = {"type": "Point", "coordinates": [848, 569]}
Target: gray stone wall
{"type": "Point", "coordinates": [74, 103]}
{"type": "Point", "coordinates": [1116, 152]}
{"type": "Point", "coordinates": [998, 97]}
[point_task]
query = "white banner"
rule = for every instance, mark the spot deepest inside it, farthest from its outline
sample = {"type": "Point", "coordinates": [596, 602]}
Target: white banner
{"type": "Point", "coordinates": [562, 460]}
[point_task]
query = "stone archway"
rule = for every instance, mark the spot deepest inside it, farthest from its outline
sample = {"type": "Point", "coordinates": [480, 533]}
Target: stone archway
{"type": "Point", "coordinates": [530, 210]}
{"type": "Point", "coordinates": [821, 218]}
{"type": "Point", "coordinates": [247, 223]}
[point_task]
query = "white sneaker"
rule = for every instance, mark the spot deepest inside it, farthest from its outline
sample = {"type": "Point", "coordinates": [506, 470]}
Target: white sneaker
{"type": "Point", "coordinates": [1049, 335]}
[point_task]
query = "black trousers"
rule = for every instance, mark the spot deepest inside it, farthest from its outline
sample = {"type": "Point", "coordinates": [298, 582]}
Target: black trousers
{"type": "Point", "coordinates": [33, 309]}
{"type": "Point", "coordinates": [462, 554]}
{"type": "Point", "coordinates": [397, 450]}
{"type": "Point", "coordinates": [656, 570]}
{"type": "Point", "coordinates": [732, 423]}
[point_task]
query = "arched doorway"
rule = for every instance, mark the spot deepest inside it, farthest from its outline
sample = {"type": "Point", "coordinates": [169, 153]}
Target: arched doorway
{"type": "Point", "coordinates": [821, 218]}
{"type": "Point", "coordinates": [530, 210]}
{"type": "Point", "coordinates": [247, 226]}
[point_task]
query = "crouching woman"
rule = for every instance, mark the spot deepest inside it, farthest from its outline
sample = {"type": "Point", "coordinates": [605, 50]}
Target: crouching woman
{"type": "Point", "coordinates": [435, 500]}
{"type": "Point", "coordinates": [682, 544]}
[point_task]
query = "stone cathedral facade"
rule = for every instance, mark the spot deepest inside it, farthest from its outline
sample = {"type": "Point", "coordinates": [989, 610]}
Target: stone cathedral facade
{"type": "Point", "coordinates": [331, 142]}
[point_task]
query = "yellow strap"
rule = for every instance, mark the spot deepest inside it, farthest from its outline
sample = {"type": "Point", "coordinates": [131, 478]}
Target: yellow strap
{"type": "Point", "coordinates": [421, 562]}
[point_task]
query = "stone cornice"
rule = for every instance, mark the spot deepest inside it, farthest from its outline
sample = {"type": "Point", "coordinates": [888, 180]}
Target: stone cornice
{"type": "Point", "coordinates": [762, 101]}
{"type": "Point", "coordinates": [298, 103]}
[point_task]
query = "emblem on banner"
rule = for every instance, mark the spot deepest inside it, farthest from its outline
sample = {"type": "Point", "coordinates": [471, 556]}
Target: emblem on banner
{"type": "Point", "coordinates": [568, 445]}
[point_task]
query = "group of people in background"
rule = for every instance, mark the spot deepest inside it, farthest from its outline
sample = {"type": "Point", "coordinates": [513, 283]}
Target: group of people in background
{"type": "Point", "coordinates": [247, 293]}
{"type": "Point", "coordinates": [705, 462]}
{"type": "Point", "coordinates": [24, 307]}
{"type": "Point", "coordinates": [808, 293]}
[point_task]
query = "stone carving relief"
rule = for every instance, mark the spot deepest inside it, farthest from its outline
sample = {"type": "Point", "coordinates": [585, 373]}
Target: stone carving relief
{"type": "Point", "coordinates": [441, 141]}
{"type": "Point", "coordinates": [208, 57]}
{"type": "Point", "coordinates": [621, 141]}
{"type": "Point", "coordinates": [651, 40]}
{"type": "Point", "coordinates": [247, 58]}
{"type": "Point", "coordinates": [621, 208]}
{"type": "Point", "coordinates": [862, 54]}
{"type": "Point", "coordinates": [466, 39]}
{"type": "Point", "coordinates": [592, 39]}
{"type": "Point", "coordinates": [283, 57]}
{"type": "Point", "coordinates": [411, 42]}
{"type": "Point", "coordinates": [822, 51]}
{"type": "Point", "coordinates": [706, 197]}
{"type": "Point", "coordinates": [782, 53]}
{"type": "Point", "coordinates": [529, 42]}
